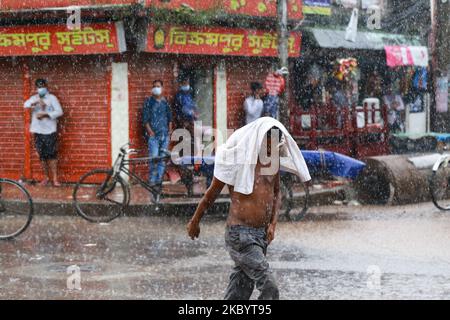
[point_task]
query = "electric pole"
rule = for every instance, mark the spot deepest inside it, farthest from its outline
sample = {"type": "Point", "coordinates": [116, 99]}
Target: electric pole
{"type": "Point", "coordinates": [440, 59]}
{"type": "Point", "coordinates": [442, 36]}
{"type": "Point", "coordinates": [283, 55]}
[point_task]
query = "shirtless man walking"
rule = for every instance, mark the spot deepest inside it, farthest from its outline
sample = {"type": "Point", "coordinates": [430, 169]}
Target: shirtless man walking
{"type": "Point", "coordinates": [250, 228]}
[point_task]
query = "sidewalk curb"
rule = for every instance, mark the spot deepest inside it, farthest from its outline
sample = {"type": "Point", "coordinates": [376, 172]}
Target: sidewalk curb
{"type": "Point", "coordinates": [186, 207]}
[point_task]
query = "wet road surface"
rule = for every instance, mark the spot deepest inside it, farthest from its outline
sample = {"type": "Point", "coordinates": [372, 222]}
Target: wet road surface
{"type": "Point", "coordinates": [344, 253]}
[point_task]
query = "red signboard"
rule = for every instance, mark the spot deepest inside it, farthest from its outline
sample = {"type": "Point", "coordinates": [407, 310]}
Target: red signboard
{"type": "Point", "coordinates": [58, 40]}
{"type": "Point", "coordinates": [39, 4]}
{"type": "Point", "coordinates": [261, 8]}
{"type": "Point", "coordinates": [218, 41]}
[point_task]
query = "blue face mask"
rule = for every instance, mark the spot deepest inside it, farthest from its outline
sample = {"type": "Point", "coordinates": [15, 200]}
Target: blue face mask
{"type": "Point", "coordinates": [42, 91]}
{"type": "Point", "coordinates": [185, 88]}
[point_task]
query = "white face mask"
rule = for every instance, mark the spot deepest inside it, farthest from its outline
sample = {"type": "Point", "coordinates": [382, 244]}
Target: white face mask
{"type": "Point", "coordinates": [42, 91]}
{"type": "Point", "coordinates": [157, 91]}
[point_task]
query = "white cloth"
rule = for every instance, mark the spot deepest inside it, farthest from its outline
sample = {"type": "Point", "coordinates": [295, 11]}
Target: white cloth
{"type": "Point", "coordinates": [253, 109]}
{"type": "Point", "coordinates": [236, 159]}
{"type": "Point", "coordinates": [53, 109]}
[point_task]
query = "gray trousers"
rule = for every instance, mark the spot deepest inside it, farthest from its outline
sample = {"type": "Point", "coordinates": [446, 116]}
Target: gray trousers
{"type": "Point", "coordinates": [247, 247]}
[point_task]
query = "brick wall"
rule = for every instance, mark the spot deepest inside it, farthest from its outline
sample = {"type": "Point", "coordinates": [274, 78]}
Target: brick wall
{"type": "Point", "coordinates": [240, 73]}
{"type": "Point", "coordinates": [11, 120]}
{"type": "Point", "coordinates": [82, 86]}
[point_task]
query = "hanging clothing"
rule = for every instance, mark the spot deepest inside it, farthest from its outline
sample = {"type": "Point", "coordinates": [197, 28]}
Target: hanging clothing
{"type": "Point", "coordinates": [420, 80]}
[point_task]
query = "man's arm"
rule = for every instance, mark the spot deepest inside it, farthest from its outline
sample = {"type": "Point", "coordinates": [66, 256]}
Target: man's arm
{"type": "Point", "coordinates": [169, 117]}
{"type": "Point", "coordinates": [57, 110]}
{"type": "Point", "coordinates": [207, 201]}
{"type": "Point", "coordinates": [30, 103]}
{"type": "Point", "coordinates": [275, 209]}
{"type": "Point", "coordinates": [146, 118]}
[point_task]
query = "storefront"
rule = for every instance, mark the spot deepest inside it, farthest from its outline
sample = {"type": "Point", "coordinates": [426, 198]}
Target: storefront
{"type": "Point", "coordinates": [102, 86]}
{"type": "Point", "coordinates": [78, 66]}
{"type": "Point", "coordinates": [325, 56]}
{"type": "Point", "coordinates": [220, 62]}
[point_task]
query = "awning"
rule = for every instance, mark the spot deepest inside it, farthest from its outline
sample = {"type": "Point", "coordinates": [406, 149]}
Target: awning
{"type": "Point", "coordinates": [216, 41]}
{"type": "Point", "coordinates": [334, 39]}
{"type": "Point", "coordinates": [406, 56]}
{"type": "Point", "coordinates": [44, 40]}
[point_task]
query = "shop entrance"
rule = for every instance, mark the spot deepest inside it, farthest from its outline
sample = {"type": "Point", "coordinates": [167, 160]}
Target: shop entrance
{"type": "Point", "coordinates": [201, 80]}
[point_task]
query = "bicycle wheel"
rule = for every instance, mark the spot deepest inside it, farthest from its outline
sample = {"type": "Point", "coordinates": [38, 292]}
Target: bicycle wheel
{"type": "Point", "coordinates": [440, 187]}
{"type": "Point", "coordinates": [16, 209]}
{"type": "Point", "coordinates": [99, 196]}
{"type": "Point", "coordinates": [294, 209]}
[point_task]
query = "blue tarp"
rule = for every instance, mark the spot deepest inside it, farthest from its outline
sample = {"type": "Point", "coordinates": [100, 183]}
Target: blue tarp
{"type": "Point", "coordinates": [334, 163]}
{"type": "Point", "coordinates": [317, 161]}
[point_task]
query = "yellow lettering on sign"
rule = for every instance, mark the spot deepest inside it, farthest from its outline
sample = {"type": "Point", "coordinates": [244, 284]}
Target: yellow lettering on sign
{"type": "Point", "coordinates": [87, 36]}
{"type": "Point", "coordinates": [177, 36]}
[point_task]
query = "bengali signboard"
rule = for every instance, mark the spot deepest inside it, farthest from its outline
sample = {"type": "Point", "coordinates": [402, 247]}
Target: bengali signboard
{"type": "Point", "coordinates": [41, 4]}
{"type": "Point", "coordinates": [260, 8]}
{"type": "Point", "coordinates": [217, 41]}
{"type": "Point", "coordinates": [58, 40]}
{"type": "Point", "coordinates": [321, 7]}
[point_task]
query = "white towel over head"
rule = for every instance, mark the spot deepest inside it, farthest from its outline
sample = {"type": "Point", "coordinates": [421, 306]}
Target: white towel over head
{"type": "Point", "coordinates": [236, 159]}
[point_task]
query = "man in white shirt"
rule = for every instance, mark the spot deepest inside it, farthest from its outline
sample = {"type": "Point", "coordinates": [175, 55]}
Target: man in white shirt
{"type": "Point", "coordinates": [254, 105]}
{"type": "Point", "coordinates": [45, 112]}
{"type": "Point", "coordinates": [395, 107]}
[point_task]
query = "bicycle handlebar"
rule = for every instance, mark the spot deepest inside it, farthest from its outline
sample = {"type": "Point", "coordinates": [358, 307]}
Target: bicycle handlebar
{"type": "Point", "coordinates": [124, 148]}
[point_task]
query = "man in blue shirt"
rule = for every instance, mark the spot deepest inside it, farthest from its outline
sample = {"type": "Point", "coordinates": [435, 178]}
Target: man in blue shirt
{"type": "Point", "coordinates": [185, 106]}
{"type": "Point", "coordinates": [186, 115]}
{"type": "Point", "coordinates": [157, 120]}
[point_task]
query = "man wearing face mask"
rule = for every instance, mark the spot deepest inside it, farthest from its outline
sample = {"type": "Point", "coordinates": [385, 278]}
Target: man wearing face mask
{"type": "Point", "coordinates": [46, 110]}
{"type": "Point", "coordinates": [185, 107]}
{"type": "Point", "coordinates": [157, 120]}
{"type": "Point", "coordinates": [186, 115]}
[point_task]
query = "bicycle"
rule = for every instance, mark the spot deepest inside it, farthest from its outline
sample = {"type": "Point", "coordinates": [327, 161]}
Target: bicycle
{"type": "Point", "coordinates": [16, 209]}
{"type": "Point", "coordinates": [106, 186]}
{"type": "Point", "coordinates": [293, 208]}
{"type": "Point", "coordinates": [440, 183]}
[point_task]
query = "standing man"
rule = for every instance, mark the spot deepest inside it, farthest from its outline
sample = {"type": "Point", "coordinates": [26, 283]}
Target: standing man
{"type": "Point", "coordinates": [254, 105]}
{"type": "Point", "coordinates": [157, 120]}
{"type": "Point", "coordinates": [340, 101]}
{"type": "Point", "coordinates": [395, 108]}
{"type": "Point", "coordinates": [46, 111]}
{"type": "Point", "coordinates": [185, 107]}
{"type": "Point", "coordinates": [186, 113]}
